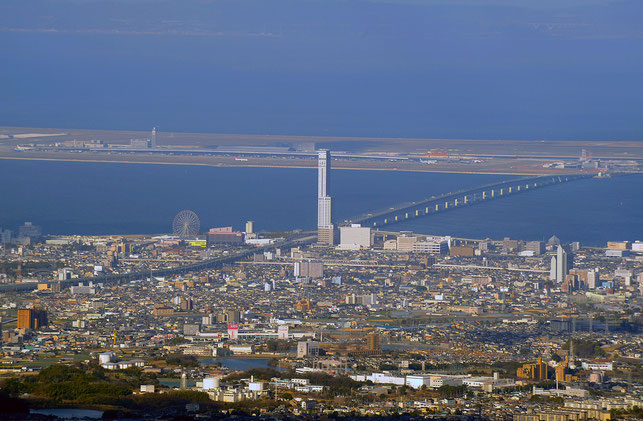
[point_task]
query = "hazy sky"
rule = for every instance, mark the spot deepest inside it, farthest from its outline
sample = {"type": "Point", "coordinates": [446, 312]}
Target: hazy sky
{"type": "Point", "coordinates": [567, 69]}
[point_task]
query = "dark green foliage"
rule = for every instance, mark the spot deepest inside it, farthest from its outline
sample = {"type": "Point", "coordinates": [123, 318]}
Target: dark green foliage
{"type": "Point", "coordinates": [337, 385]}
{"type": "Point", "coordinates": [61, 383]}
{"type": "Point", "coordinates": [388, 367]}
{"type": "Point", "coordinates": [258, 373]}
{"type": "Point", "coordinates": [275, 345]}
{"type": "Point", "coordinates": [182, 360]}
{"type": "Point", "coordinates": [586, 349]}
{"type": "Point", "coordinates": [176, 341]}
{"type": "Point", "coordinates": [448, 391]}
{"type": "Point", "coordinates": [149, 402]}
{"type": "Point", "coordinates": [91, 385]}
{"type": "Point", "coordinates": [415, 366]}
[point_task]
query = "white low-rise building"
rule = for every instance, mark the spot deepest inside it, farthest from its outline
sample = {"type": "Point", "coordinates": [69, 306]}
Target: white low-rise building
{"type": "Point", "coordinates": [597, 365]}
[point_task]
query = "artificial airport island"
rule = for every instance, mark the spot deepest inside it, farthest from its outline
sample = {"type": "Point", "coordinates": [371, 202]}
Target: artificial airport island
{"type": "Point", "coordinates": [348, 319]}
{"type": "Point", "coordinates": [520, 157]}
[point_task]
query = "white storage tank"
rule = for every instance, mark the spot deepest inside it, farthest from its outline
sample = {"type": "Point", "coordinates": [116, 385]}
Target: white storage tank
{"type": "Point", "coordinates": [210, 383]}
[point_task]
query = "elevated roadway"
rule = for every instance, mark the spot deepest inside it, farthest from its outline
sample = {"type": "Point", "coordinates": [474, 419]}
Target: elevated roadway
{"type": "Point", "coordinates": [458, 199]}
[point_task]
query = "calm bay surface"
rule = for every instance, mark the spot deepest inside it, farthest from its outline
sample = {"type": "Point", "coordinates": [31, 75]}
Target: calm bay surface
{"type": "Point", "coordinates": [102, 198]}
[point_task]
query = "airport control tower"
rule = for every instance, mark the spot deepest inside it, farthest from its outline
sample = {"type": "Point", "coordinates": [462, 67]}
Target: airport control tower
{"type": "Point", "coordinates": [325, 229]}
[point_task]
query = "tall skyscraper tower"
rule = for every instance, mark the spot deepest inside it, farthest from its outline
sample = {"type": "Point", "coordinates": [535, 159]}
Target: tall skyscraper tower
{"type": "Point", "coordinates": [325, 229]}
{"type": "Point", "coordinates": [153, 142]}
{"type": "Point", "coordinates": [553, 269]}
{"type": "Point", "coordinates": [562, 268]}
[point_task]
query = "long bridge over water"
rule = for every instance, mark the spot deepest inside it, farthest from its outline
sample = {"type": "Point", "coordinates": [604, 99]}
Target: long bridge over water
{"type": "Point", "coordinates": [454, 200]}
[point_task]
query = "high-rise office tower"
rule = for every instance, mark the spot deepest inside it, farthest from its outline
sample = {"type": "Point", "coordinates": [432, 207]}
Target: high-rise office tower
{"type": "Point", "coordinates": [593, 278]}
{"type": "Point", "coordinates": [153, 141]}
{"type": "Point", "coordinates": [325, 229]}
{"type": "Point", "coordinates": [552, 270]}
{"type": "Point", "coordinates": [562, 268]}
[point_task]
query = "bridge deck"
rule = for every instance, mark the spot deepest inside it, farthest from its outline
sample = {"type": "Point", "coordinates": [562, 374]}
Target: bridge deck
{"type": "Point", "coordinates": [451, 200]}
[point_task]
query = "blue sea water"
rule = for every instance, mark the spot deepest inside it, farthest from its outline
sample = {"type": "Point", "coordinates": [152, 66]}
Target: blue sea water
{"type": "Point", "coordinates": [102, 198]}
{"type": "Point", "coordinates": [547, 69]}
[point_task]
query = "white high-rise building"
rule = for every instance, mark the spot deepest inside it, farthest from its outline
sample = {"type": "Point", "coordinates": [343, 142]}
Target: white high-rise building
{"type": "Point", "coordinates": [552, 270]}
{"type": "Point", "coordinates": [323, 168]}
{"type": "Point", "coordinates": [561, 264]}
{"type": "Point", "coordinates": [593, 278]}
{"type": "Point", "coordinates": [325, 229]}
{"type": "Point", "coordinates": [153, 140]}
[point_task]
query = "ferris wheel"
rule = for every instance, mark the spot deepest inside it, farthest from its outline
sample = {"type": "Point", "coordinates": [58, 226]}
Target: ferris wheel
{"type": "Point", "coordinates": [186, 224]}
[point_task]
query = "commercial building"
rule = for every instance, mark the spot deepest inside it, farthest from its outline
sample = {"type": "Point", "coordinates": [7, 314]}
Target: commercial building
{"type": "Point", "coordinates": [83, 289]}
{"type": "Point", "coordinates": [509, 245]}
{"type": "Point", "coordinates": [461, 251]}
{"type": "Point", "coordinates": [361, 300]}
{"type": "Point", "coordinates": [306, 348]}
{"type": "Point", "coordinates": [536, 371]}
{"type": "Point", "coordinates": [309, 269]}
{"type": "Point", "coordinates": [31, 318]}
{"type": "Point", "coordinates": [373, 341]}
{"type": "Point", "coordinates": [432, 247]}
{"type": "Point", "coordinates": [593, 278]}
{"type": "Point", "coordinates": [390, 244]}
{"type": "Point", "coordinates": [241, 349]}
{"type": "Point", "coordinates": [162, 310]}
{"type": "Point", "coordinates": [355, 236]}
{"type": "Point", "coordinates": [537, 247]}
{"type": "Point", "coordinates": [598, 365]}
{"type": "Point", "coordinates": [559, 265]}
{"type": "Point", "coordinates": [325, 229]}
{"type": "Point", "coordinates": [618, 245]}
{"type": "Point", "coordinates": [224, 235]}
{"type": "Point", "coordinates": [406, 242]}
{"type": "Point", "coordinates": [140, 143]}
{"type": "Point", "coordinates": [230, 316]}
{"type": "Point", "coordinates": [29, 230]}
